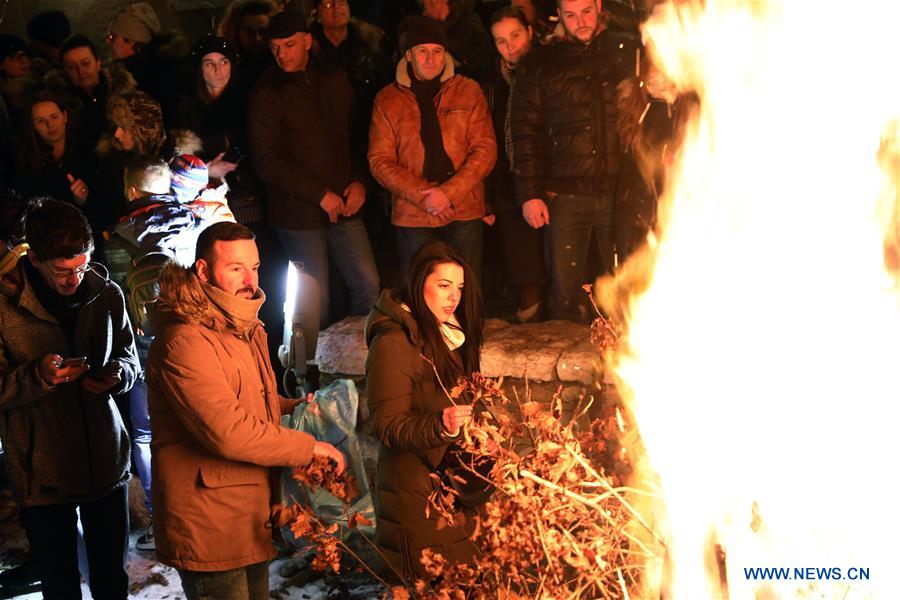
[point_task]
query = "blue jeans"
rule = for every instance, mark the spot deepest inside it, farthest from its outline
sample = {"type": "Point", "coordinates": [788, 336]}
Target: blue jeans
{"type": "Point", "coordinates": [465, 237]}
{"type": "Point", "coordinates": [578, 226]}
{"type": "Point", "coordinates": [347, 243]}
{"type": "Point", "coordinates": [244, 583]}
{"type": "Point", "coordinates": [140, 422]}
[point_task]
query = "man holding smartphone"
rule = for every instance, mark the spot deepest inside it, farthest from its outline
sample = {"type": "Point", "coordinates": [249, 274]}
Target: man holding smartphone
{"type": "Point", "coordinates": [66, 347]}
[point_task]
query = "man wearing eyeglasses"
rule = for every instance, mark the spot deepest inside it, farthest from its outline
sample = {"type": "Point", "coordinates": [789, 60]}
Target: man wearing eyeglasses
{"type": "Point", "coordinates": [66, 347]}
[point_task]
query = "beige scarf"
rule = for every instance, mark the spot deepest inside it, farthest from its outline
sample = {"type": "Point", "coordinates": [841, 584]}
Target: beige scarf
{"type": "Point", "coordinates": [240, 312]}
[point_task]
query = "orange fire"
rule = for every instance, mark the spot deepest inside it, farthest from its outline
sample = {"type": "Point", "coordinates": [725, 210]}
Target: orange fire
{"type": "Point", "coordinates": [763, 356]}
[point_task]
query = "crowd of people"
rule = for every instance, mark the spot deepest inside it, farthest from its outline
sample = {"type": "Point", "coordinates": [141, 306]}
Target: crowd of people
{"type": "Point", "coordinates": [432, 149]}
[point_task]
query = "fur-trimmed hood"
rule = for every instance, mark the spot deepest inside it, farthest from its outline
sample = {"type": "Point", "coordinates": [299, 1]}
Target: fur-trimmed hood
{"type": "Point", "coordinates": [181, 298]}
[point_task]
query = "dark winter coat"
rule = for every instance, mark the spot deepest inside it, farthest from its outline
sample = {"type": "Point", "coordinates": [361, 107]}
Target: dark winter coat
{"type": "Point", "coordinates": [361, 56]}
{"type": "Point", "coordinates": [406, 405]}
{"type": "Point", "coordinates": [215, 410]}
{"type": "Point", "coordinates": [563, 117]}
{"type": "Point", "coordinates": [221, 126]}
{"type": "Point", "coordinates": [498, 187]}
{"type": "Point", "coordinates": [299, 127]}
{"type": "Point", "coordinates": [61, 443]}
{"type": "Point", "coordinates": [51, 177]}
{"type": "Point", "coordinates": [89, 110]}
{"type": "Point", "coordinates": [470, 43]}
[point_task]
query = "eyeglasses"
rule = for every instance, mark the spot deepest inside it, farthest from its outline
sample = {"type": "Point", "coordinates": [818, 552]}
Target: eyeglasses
{"type": "Point", "coordinates": [66, 273]}
{"type": "Point", "coordinates": [329, 4]}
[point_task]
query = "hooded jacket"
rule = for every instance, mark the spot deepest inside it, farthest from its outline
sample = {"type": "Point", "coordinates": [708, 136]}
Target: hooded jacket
{"type": "Point", "coordinates": [406, 404]}
{"type": "Point", "coordinates": [61, 443]}
{"type": "Point", "coordinates": [160, 223]}
{"type": "Point", "coordinates": [397, 156]}
{"type": "Point", "coordinates": [215, 410]}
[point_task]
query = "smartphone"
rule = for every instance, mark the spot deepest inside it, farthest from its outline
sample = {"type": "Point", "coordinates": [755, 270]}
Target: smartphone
{"type": "Point", "coordinates": [78, 361]}
{"type": "Point", "coordinates": [234, 155]}
{"type": "Point", "coordinates": [109, 369]}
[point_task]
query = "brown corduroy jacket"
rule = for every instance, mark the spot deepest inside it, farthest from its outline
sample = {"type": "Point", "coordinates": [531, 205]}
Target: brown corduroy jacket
{"type": "Point", "coordinates": [397, 156]}
{"type": "Point", "coordinates": [215, 410]}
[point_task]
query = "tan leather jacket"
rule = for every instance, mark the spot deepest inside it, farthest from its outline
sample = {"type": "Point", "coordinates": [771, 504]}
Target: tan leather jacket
{"type": "Point", "coordinates": [397, 156]}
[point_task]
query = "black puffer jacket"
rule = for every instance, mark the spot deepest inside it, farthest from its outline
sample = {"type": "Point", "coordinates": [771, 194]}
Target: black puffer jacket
{"type": "Point", "coordinates": [563, 117]}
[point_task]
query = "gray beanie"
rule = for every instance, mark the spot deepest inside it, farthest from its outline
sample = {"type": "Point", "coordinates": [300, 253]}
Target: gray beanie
{"type": "Point", "coordinates": [137, 22]}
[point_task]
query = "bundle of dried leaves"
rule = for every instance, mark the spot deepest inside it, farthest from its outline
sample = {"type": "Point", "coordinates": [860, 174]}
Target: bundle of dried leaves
{"type": "Point", "coordinates": [558, 525]}
{"type": "Point", "coordinates": [324, 537]}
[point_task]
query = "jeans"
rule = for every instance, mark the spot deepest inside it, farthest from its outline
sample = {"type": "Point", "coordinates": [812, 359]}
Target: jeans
{"type": "Point", "coordinates": [139, 415]}
{"type": "Point", "coordinates": [245, 583]}
{"type": "Point", "coordinates": [578, 225]}
{"type": "Point", "coordinates": [52, 535]}
{"type": "Point", "coordinates": [463, 236]}
{"type": "Point", "coordinates": [347, 243]}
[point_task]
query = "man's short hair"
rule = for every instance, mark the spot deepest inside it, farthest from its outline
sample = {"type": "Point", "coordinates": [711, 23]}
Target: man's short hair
{"type": "Point", "coordinates": [78, 41]}
{"type": "Point", "coordinates": [55, 229]}
{"type": "Point", "coordinates": [148, 175]}
{"type": "Point", "coordinates": [220, 232]}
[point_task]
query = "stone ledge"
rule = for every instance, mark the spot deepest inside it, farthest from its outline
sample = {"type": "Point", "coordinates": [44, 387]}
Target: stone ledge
{"type": "Point", "coordinates": [550, 351]}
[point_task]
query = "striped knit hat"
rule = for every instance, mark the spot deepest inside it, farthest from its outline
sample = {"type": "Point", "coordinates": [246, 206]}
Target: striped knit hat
{"type": "Point", "coordinates": [189, 177]}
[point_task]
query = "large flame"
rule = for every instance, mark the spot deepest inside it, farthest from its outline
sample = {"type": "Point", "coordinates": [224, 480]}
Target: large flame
{"type": "Point", "coordinates": [764, 356]}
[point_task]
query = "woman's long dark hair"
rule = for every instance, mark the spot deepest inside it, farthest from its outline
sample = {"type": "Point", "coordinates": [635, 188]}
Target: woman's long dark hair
{"type": "Point", "coordinates": [470, 312]}
{"type": "Point", "coordinates": [33, 151]}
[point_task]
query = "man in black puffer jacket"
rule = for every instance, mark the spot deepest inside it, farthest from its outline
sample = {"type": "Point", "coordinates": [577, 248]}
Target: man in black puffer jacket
{"type": "Point", "coordinates": [566, 153]}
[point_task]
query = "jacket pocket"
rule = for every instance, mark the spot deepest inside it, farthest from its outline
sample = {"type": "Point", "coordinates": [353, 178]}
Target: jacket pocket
{"type": "Point", "coordinates": [218, 476]}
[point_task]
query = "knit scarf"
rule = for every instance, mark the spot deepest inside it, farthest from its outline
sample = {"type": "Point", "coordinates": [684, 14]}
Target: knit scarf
{"type": "Point", "coordinates": [507, 70]}
{"type": "Point", "coordinates": [240, 312]}
{"type": "Point", "coordinates": [438, 167]}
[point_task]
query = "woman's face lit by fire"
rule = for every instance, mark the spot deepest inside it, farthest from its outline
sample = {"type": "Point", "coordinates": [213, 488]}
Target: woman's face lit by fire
{"type": "Point", "coordinates": [443, 290]}
{"type": "Point", "coordinates": [513, 40]}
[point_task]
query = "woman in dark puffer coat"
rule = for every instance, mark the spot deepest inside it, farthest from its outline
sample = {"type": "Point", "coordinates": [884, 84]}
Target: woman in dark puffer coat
{"type": "Point", "coordinates": [427, 326]}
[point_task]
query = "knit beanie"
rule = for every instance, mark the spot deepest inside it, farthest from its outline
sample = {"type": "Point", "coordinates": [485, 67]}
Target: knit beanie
{"type": "Point", "coordinates": [50, 27]}
{"type": "Point", "coordinates": [137, 22]}
{"type": "Point", "coordinates": [424, 30]}
{"type": "Point", "coordinates": [189, 176]}
{"type": "Point", "coordinates": [210, 43]}
{"type": "Point", "coordinates": [140, 114]}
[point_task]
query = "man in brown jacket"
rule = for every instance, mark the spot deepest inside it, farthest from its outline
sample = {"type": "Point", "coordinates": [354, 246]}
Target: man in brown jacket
{"type": "Point", "coordinates": [216, 414]}
{"type": "Point", "coordinates": [431, 143]}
